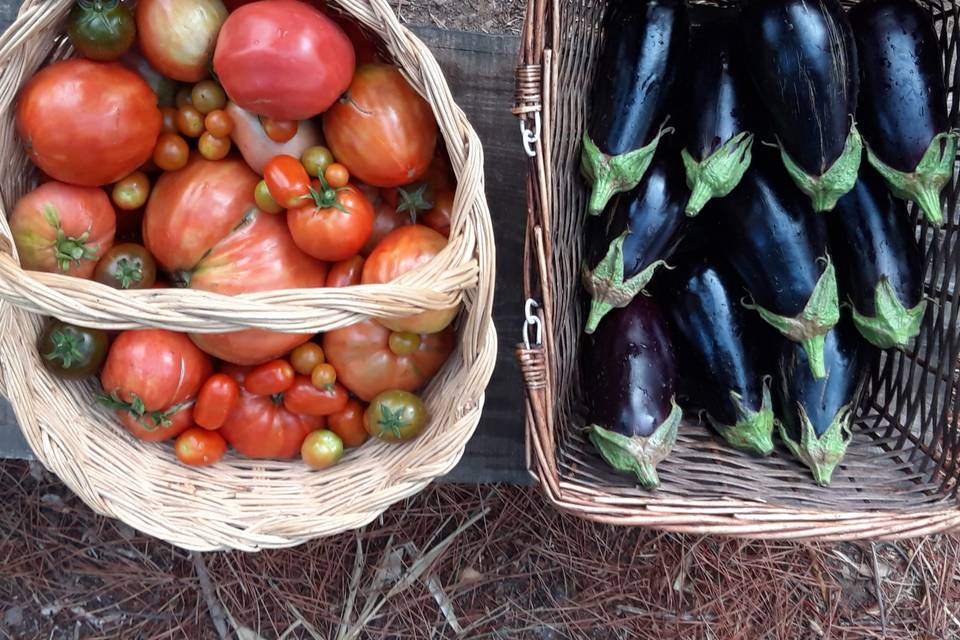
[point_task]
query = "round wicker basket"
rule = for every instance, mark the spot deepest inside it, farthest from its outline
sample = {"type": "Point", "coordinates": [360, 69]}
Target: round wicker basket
{"type": "Point", "coordinates": [241, 503]}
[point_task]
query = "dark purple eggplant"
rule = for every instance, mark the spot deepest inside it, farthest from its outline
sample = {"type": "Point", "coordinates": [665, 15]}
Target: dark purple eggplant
{"type": "Point", "coordinates": [903, 106]}
{"type": "Point", "coordinates": [625, 248]}
{"type": "Point", "coordinates": [878, 263]}
{"type": "Point", "coordinates": [815, 414]}
{"type": "Point", "coordinates": [778, 247]}
{"type": "Point", "coordinates": [804, 65]}
{"type": "Point", "coordinates": [724, 361]}
{"type": "Point", "coordinates": [645, 42]}
{"type": "Point", "coordinates": [629, 380]}
{"type": "Point", "coordinates": [719, 135]}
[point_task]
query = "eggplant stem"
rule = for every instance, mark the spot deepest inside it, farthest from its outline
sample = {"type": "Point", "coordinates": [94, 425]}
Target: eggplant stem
{"type": "Point", "coordinates": [893, 325]}
{"type": "Point", "coordinates": [609, 175]}
{"type": "Point", "coordinates": [821, 454]}
{"type": "Point", "coordinates": [719, 173]}
{"type": "Point", "coordinates": [753, 430]}
{"type": "Point", "coordinates": [826, 189]}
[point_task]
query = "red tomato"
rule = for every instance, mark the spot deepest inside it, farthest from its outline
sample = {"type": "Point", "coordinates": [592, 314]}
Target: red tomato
{"type": "Point", "coordinates": [438, 217]}
{"type": "Point", "coordinates": [287, 181]}
{"type": "Point", "coordinates": [402, 250]}
{"type": "Point", "coordinates": [261, 427]}
{"type": "Point", "coordinates": [382, 130]}
{"type": "Point", "coordinates": [235, 4]}
{"type": "Point", "coordinates": [199, 447]}
{"type": "Point", "coordinates": [348, 424]}
{"type": "Point", "coordinates": [283, 59]}
{"type": "Point", "coordinates": [279, 130]}
{"type": "Point", "coordinates": [231, 248]}
{"type": "Point", "coordinates": [151, 377]}
{"type": "Point", "coordinates": [334, 226]}
{"type": "Point", "coordinates": [367, 361]}
{"type": "Point", "coordinates": [346, 272]}
{"type": "Point", "coordinates": [88, 123]}
{"type": "Point", "coordinates": [269, 378]}
{"type": "Point", "coordinates": [255, 145]}
{"type": "Point", "coordinates": [178, 36]}
{"type": "Point", "coordinates": [386, 219]}
{"type": "Point", "coordinates": [217, 398]}
{"type": "Point", "coordinates": [60, 228]}
{"type": "Point", "coordinates": [306, 399]}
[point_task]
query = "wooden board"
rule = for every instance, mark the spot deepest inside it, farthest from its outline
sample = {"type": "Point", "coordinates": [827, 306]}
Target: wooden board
{"type": "Point", "coordinates": [479, 69]}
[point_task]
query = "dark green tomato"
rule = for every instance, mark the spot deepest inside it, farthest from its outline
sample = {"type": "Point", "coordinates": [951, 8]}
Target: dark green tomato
{"type": "Point", "coordinates": [72, 352]}
{"type": "Point", "coordinates": [101, 30]}
{"type": "Point", "coordinates": [395, 416]}
{"type": "Point", "coordinates": [126, 266]}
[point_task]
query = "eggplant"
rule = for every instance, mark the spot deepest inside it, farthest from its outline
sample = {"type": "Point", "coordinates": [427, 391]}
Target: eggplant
{"type": "Point", "coordinates": [725, 357]}
{"type": "Point", "coordinates": [804, 65]}
{"type": "Point", "coordinates": [644, 44]}
{"type": "Point", "coordinates": [878, 263]}
{"type": "Point", "coordinates": [903, 112]}
{"type": "Point", "coordinates": [815, 414]}
{"type": "Point", "coordinates": [779, 249]}
{"type": "Point", "coordinates": [625, 248]}
{"type": "Point", "coordinates": [719, 135]}
{"type": "Point", "coordinates": [629, 380]}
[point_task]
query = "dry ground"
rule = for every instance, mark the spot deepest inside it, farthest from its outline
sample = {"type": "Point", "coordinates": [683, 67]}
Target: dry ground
{"type": "Point", "coordinates": [488, 16]}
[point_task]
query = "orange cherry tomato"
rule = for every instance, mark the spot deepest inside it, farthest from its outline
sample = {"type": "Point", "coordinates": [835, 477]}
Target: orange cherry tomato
{"type": "Point", "coordinates": [305, 399]}
{"type": "Point", "coordinates": [279, 130]}
{"type": "Point", "coordinates": [321, 449]}
{"type": "Point", "coordinates": [189, 121]}
{"type": "Point", "coordinates": [269, 378]}
{"type": "Point", "coordinates": [198, 447]}
{"type": "Point", "coordinates": [346, 272]}
{"type": "Point", "coordinates": [348, 424]}
{"type": "Point", "coordinates": [306, 357]}
{"type": "Point", "coordinates": [336, 175]}
{"type": "Point", "coordinates": [171, 152]}
{"type": "Point", "coordinates": [219, 123]}
{"type": "Point", "coordinates": [323, 375]}
{"type": "Point", "coordinates": [213, 148]}
{"type": "Point", "coordinates": [287, 181]}
{"type": "Point", "coordinates": [217, 398]}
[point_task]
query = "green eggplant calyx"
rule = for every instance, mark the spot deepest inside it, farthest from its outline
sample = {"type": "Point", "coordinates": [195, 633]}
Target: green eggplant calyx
{"type": "Point", "coordinates": [753, 431]}
{"type": "Point", "coordinates": [638, 455]}
{"type": "Point", "coordinates": [821, 453]}
{"type": "Point", "coordinates": [924, 184]}
{"type": "Point", "coordinates": [609, 175]}
{"type": "Point", "coordinates": [719, 173]}
{"type": "Point", "coordinates": [894, 325]}
{"type": "Point", "coordinates": [824, 190]}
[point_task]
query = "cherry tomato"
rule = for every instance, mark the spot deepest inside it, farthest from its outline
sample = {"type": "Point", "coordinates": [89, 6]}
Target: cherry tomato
{"type": "Point", "coordinates": [131, 192]}
{"type": "Point", "coordinates": [404, 343]}
{"type": "Point", "coordinates": [316, 159]}
{"type": "Point", "coordinates": [198, 447]}
{"type": "Point", "coordinates": [183, 98]}
{"type": "Point", "coordinates": [287, 181]}
{"type": "Point", "coordinates": [213, 148]}
{"type": "Point", "coordinates": [323, 375]}
{"type": "Point", "coordinates": [219, 123]}
{"type": "Point", "coordinates": [178, 36]}
{"type": "Point", "coordinates": [127, 266]}
{"type": "Point", "coordinates": [279, 130]}
{"type": "Point", "coordinates": [334, 226]}
{"type": "Point", "coordinates": [395, 416]}
{"type": "Point", "coordinates": [348, 424]}
{"type": "Point", "coordinates": [171, 152]}
{"type": "Point", "coordinates": [306, 357]}
{"type": "Point", "coordinates": [269, 378]}
{"type": "Point", "coordinates": [169, 122]}
{"type": "Point", "coordinates": [263, 199]}
{"type": "Point", "coordinates": [189, 121]}
{"type": "Point", "coordinates": [321, 449]}
{"type": "Point", "coordinates": [336, 175]}
{"type": "Point", "coordinates": [72, 352]}
{"type": "Point", "coordinates": [305, 399]}
{"type": "Point", "coordinates": [208, 96]}
{"type": "Point", "coordinates": [101, 31]}
{"type": "Point", "coordinates": [345, 273]}
{"type": "Point", "coordinates": [257, 148]}
{"type": "Point", "coordinates": [217, 398]}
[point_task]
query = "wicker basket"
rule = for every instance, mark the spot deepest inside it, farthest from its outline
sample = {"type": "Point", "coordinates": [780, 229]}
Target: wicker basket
{"type": "Point", "coordinates": [242, 503]}
{"type": "Point", "coordinates": [900, 476]}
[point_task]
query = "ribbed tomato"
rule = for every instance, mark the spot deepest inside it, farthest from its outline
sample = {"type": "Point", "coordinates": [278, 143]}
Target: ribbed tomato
{"type": "Point", "coordinates": [334, 225]}
{"type": "Point", "coordinates": [178, 36]}
{"type": "Point", "coordinates": [345, 273]}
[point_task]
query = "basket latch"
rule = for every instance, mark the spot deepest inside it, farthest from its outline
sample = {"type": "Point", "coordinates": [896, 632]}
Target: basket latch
{"type": "Point", "coordinates": [532, 320]}
{"type": "Point", "coordinates": [527, 105]}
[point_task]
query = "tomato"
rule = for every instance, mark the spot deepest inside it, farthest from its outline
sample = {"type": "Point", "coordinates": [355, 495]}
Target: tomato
{"type": "Point", "coordinates": [219, 123]}
{"type": "Point", "coordinates": [287, 181]}
{"type": "Point", "coordinates": [169, 119]}
{"type": "Point", "coordinates": [234, 4]}
{"type": "Point", "coordinates": [334, 226]}
{"type": "Point", "coordinates": [256, 146]}
{"type": "Point", "coordinates": [316, 159]}
{"type": "Point", "coordinates": [60, 228]}
{"type": "Point", "coordinates": [322, 449]}
{"type": "Point", "coordinates": [345, 273]}
{"type": "Point", "coordinates": [348, 424]}
{"type": "Point", "coordinates": [171, 152]}
{"type": "Point", "coordinates": [269, 378]}
{"type": "Point", "coordinates": [213, 148]}
{"type": "Point", "coordinates": [232, 248]}
{"type": "Point", "coordinates": [208, 96]}
{"type": "Point", "coordinates": [72, 352]}
{"type": "Point", "coordinates": [366, 364]}
{"type": "Point", "coordinates": [199, 447]}
{"type": "Point", "coordinates": [306, 399]}
{"type": "Point", "coordinates": [279, 130]}
{"type": "Point", "coordinates": [150, 379]}
{"type": "Point", "coordinates": [263, 199]}
{"type": "Point", "coordinates": [323, 375]}
{"type": "Point", "coordinates": [189, 121]}
{"type": "Point", "coordinates": [184, 97]}
{"type": "Point", "coordinates": [126, 266]}
{"type": "Point", "coordinates": [438, 217]}
{"type": "Point", "coordinates": [395, 416]}
{"type": "Point", "coordinates": [164, 88]}
{"type": "Point", "coordinates": [178, 36]}
{"type": "Point", "coordinates": [382, 130]}
{"type": "Point", "coordinates": [217, 398]}
{"type": "Point", "coordinates": [386, 219]}
{"type": "Point", "coordinates": [131, 193]}
{"type": "Point", "coordinates": [101, 30]}
{"type": "Point", "coordinates": [402, 250]}
{"type": "Point", "coordinates": [88, 123]}
{"type": "Point", "coordinates": [283, 59]}
{"type": "Point", "coordinates": [336, 175]}
{"type": "Point", "coordinates": [306, 357]}
{"type": "Point", "coordinates": [261, 427]}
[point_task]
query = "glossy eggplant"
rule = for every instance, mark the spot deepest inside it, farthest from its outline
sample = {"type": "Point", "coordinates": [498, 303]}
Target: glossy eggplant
{"type": "Point", "coordinates": [629, 381]}
{"type": "Point", "coordinates": [644, 44]}
{"type": "Point", "coordinates": [626, 247]}
{"type": "Point", "coordinates": [778, 247]}
{"type": "Point", "coordinates": [724, 360]}
{"type": "Point", "coordinates": [815, 414]}
{"type": "Point", "coordinates": [721, 124]}
{"type": "Point", "coordinates": [804, 65]}
{"type": "Point", "coordinates": [878, 263]}
{"type": "Point", "coordinates": [903, 104]}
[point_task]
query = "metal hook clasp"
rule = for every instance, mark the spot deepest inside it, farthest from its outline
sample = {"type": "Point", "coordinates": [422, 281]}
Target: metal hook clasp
{"type": "Point", "coordinates": [530, 138]}
{"type": "Point", "coordinates": [534, 320]}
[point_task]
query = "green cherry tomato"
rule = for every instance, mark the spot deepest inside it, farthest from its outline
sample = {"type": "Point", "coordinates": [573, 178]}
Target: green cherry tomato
{"type": "Point", "coordinates": [72, 352]}
{"type": "Point", "coordinates": [101, 30]}
{"type": "Point", "coordinates": [126, 266]}
{"type": "Point", "coordinates": [321, 449]}
{"type": "Point", "coordinates": [208, 96]}
{"type": "Point", "coordinates": [264, 200]}
{"type": "Point", "coordinates": [395, 416]}
{"type": "Point", "coordinates": [316, 160]}
{"type": "Point", "coordinates": [404, 343]}
{"type": "Point", "coordinates": [131, 193]}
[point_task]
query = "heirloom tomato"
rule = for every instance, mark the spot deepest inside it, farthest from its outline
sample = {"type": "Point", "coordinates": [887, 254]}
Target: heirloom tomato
{"type": "Point", "coordinates": [255, 145]}
{"type": "Point", "coordinates": [178, 36]}
{"type": "Point", "coordinates": [305, 398]}
{"type": "Point", "coordinates": [72, 352]}
{"type": "Point", "coordinates": [127, 266]}
{"type": "Point", "coordinates": [322, 449]}
{"type": "Point", "coordinates": [164, 87]}
{"type": "Point", "coordinates": [101, 30]}
{"type": "Point", "coordinates": [334, 225]}
{"type": "Point", "coordinates": [197, 446]}
{"type": "Point", "coordinates": [348, 424]}
{"type": "Point", "coordinates": [386, 219]}
{"type": "Point", "coordinates": [395, 416]}
{"type": "Point", "coordinates": [345, 273]}
{"type": "Point", "coordinates": [217, 398]}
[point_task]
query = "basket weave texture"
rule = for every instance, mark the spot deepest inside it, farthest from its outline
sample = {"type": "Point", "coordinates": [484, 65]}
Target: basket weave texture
{"type": "Point", "coordinates": [900, 475]}
{"type": "Point", "coordinates": [241, 503]}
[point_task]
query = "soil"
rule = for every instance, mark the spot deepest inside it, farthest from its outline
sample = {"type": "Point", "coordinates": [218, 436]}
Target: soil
{"type": "Point", "coordinates": [487, 16]}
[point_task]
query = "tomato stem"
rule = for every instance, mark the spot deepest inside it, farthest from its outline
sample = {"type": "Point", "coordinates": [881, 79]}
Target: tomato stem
{"type": "Point", "coordinates": [138, 410]}
{"type": "Point", "coordinates": [66, 348]}
{"type": "Point", "coordinates": [129, 272]}
{"type": "Point", "coordinates": [413, 202]}
{"type": "Point", "coordinates": [67, 248]}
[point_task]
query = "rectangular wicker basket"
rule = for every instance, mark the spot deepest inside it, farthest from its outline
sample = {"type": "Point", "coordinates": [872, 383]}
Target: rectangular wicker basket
{"type": "Point", "coordinates": [900, 476]}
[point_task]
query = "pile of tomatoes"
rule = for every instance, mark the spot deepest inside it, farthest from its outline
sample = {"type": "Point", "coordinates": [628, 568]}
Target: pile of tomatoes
{"type": "Point", "coordinates": [237, 147]}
